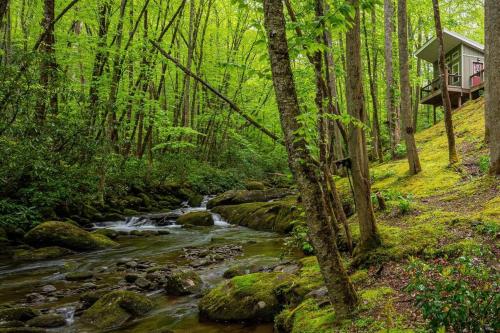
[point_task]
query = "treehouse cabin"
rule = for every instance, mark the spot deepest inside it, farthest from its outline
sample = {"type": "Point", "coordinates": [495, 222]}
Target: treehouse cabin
{"type": "Point", "coordinates": [465, 62]}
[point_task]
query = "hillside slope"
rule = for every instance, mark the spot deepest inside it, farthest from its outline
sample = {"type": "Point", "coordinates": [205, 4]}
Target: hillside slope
{"type": "Point", "coordinates": [437, 216]}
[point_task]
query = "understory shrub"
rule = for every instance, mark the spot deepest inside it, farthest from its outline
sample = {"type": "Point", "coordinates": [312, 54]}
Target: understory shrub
{"type": "Point", "coordinates": [462, 295]}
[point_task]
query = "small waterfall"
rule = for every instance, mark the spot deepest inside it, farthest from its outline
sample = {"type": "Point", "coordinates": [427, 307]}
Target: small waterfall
{"type": "Point", "coordinates": [68, 312]}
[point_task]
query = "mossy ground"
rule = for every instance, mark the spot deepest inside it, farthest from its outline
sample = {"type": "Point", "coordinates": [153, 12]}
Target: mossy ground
{"type": "Point", "coordinates": [442, 212]}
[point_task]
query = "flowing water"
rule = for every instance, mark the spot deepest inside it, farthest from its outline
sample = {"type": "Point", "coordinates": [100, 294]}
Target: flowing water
{"type": "Point", "coordinates": [175, 313]}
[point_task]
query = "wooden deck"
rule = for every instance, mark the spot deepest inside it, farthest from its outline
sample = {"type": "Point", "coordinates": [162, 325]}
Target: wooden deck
{"type": "Point", "coordinates": [432, 95]}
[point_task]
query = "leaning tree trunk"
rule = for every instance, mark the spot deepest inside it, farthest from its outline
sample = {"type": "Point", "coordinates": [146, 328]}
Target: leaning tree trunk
{"type": "Point", "coordinates": [356, 140]}
{"type": "Point", "coordinates": [340, 289]}
{"type": "Point", "coordinates": [404, 75]}
{"type": "Point", "coordinates": [448, 121]}
{"type": "Point", "coordinates": [48, 64]}
{"type": "Point", "coordinates": [492, 27]}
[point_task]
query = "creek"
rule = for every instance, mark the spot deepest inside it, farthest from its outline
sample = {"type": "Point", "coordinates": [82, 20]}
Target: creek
{"type": "Point", "coordinates": [178, 314]}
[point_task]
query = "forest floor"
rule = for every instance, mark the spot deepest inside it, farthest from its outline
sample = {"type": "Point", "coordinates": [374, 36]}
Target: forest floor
{"type": "Point", "coordinates": [436, 217]}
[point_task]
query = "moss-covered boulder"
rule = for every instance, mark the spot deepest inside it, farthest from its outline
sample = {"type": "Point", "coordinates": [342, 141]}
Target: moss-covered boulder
{"type": "Point", "coordinates": [279, 216]}
{"type": "Point", "coordinates": [66, 235]}
{"type": "Point", "coordinates": [44, 253]}
{"type": "Point", "coordinates": [237, 197]}
{"type": "Point", "coordinates": [110, 233]}
{"type": "Point", "coordinates": [252, 297]}
{"type": "Point", "coordinates": [254, 185]}
{"type": "Point", "coordinates": [47, 321]}
{"type": "Point", "coordinates": [238, 270]}
{"type": "Point", "coordinates": [201, 219]}
{"type": "Point", "coordinates": [116, 308]}
{"type": "Point", "coordinates": [22, 313]}
{"type": "Point", "coordinates": [183, 282]}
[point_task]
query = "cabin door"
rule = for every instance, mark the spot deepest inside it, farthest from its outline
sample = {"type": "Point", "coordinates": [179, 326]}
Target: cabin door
{"type": "Point", "coordinates": [477, 68]}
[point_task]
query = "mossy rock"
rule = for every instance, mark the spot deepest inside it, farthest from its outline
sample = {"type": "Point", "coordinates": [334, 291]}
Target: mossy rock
{"type": "Point", "coordinates": [254, 185]}
{"type": "Point", "coordinates": [79, 276]}
{"type": "Point", "coordinates": [66, 235]}
{"type": "Point", "coordinates": [18, 314]}
{"type": "Point", "coordinates": [236, 197]}
{"type": "Point", "coordinates": [47, 321]}
{"type": "Point", "coordinates": [44, 253]}
{"type": "Point", "coordinates": [110, 233]}
{"type": "Point", "coordinates": [22, 330]}
{"type": "Point", "coordinates": [133, 202]}
{"type": "Point", "coordinates": [183, 282]}
{"type": "Point", "coordinates": [201, 219]}
{"type": "Point", "coordinates": [247, 298]}
{"type": "Point", "coordinates": [239, 270]}
{"type": "Point", "coordinates": [279, 216]}
{"type": "Point", "coordinates": [116, 308]}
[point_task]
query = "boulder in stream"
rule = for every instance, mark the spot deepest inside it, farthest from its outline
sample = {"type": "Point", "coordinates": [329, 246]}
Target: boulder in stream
{"type": "Point", "coordinates": [53, 233]}
{"type": "Point", "coordinates": [252, 297]}
{"type": "Point", "coordinates": [116, 308]}
{"type": "Point", "coordinates": [22, 313]}
{"type": "Point", "coordinates": [201, 219]}
{"type": "Point", "coordinates": [44, 253]}
{"type": "Point", "coordinates": [182, 282]}
{"type": "Point", "coordinates": [47, 321]}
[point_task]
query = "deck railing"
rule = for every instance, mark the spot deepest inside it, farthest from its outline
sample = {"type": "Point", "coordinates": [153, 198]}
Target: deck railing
{"type": "Point", "coordinates": [477, 78]}
{"type": "Point", "coordinates": [454, 80]}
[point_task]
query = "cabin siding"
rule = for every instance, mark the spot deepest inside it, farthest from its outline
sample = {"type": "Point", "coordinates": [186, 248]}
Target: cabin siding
{"type": "Point", "coordinates": [469, 56]}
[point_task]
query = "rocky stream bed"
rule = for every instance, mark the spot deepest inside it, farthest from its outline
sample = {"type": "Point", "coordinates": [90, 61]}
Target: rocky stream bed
{"type": "Point", "coordinates": [149, 273]}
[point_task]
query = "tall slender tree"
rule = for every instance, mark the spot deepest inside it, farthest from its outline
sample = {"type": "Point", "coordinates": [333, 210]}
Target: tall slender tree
{"type": "Point", "coordinates": [48, 97]}
{"type": "Point", "coordinates": [404, 78]}
{"type": "Point", "coordinates": [443, 71]}
{"type": "Point", "coordinates": [390, 100]}
{"type": "Point", "coordinates": [356, 138]}
{"type": "Point", "coordinates": [492, 85]}
{"type": "Point", "coordinates": [340, 289]}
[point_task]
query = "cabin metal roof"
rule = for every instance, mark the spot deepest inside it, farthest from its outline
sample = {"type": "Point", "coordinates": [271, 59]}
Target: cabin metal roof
{"type": "Point", "coordinates": [430, 50]}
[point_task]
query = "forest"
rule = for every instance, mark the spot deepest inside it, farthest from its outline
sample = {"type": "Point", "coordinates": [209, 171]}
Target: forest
{"type": "Point", "coordinates": [249, 166]}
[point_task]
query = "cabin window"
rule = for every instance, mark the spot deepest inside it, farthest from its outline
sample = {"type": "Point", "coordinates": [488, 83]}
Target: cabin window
{"type": "Point", "coordinates": [455, 55]}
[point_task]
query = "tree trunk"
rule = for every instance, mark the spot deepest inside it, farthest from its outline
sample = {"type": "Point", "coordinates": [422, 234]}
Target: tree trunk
{"type": "Point", "coordinates": [48, 64]}
{"type": "Point", "coordinates": [392, 115]}
{"type": "Point", "coordinates": [340, 289]}
{"type": "Point", "coordinates": [356, 142]}
{"type": "Point", "coordinates": [492, 88]}
{"type": "Point", "coordinates": [372, 75]}
{"type": "Point", "coordinates": [448, 121]}
{"type": "Point", "coordinates": [404, 78]}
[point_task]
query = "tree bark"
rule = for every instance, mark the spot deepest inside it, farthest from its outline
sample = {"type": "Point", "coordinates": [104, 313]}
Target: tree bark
{"type": "Point", "coordinates": [492, 87]}
{"type": "Point", "coordinates": [340, 289]}
{"type": "Point", "coordinates": [392, 115]}
{"type": "Point", "coordinates": [404, 78]}
{"type": "Point", "coordinates": [357, 145]}
{"type": "Point", "coordinates": [443, 70]}
{"type": "Point", "coordinates": [48, 64]}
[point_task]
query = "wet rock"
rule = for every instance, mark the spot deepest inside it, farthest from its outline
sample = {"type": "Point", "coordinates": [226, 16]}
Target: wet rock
{"type": "Point", "coordinates": [144, 233]}
{"type": "Point", "coordinates": [47, 321]}
{"type": "Point", "coordinates": [79, 276]}
{"type": "Point", "coordinates": [318, 294]}
{"type": "Point", "coordinates": [163, 232]}
{"type": "Point", "coordinates": [116, 308]}
{"type": "Point", "coordinates": [90, 297]}
{"type": "Point", "coordinates": [35, 298]}
{"type": "Point", "coordinates": [22, 330]}
{"type": "Point", "coordinates": [66, 235]}
{"type": "Point", "coordinates": [110, 233]}
{"type": "Point", "coordinates": [48, 289]}
{"type": "Point", "coordinates": [237, 197]}
{"type": "Point", "coordinates": [290, 268]}
{"type": "Point", "coordinates": [14, 323]}
{"type": "Point", "coordinates": [44, 253]}
{"type": "Point", "coordinates": [142, 283]}
{"type": "Point", "coordinates": [122, 261]}
{"type": "Point", "coordinates": [183, 282]}
{"type": "Point", "coordinates": [89, 285]}
{"type": "Point", "coordinates": [238, 270]}
{"type": "Point", "coordinates": [200, 219]}
{"type": "Point", "coordinates": [18, 314]}
{"type": "Point", "coordinates": [131, 277]}
{"type": "Point", "coordinates": [131, 264]}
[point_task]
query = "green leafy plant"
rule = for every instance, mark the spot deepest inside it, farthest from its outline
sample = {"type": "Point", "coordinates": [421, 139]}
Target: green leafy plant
{"type": "Point", "coordinates": [462, 295]}
{"type": "Point", "coordinates": [298, 240]}
{"type": "Point", "coordinates": [484, 163]}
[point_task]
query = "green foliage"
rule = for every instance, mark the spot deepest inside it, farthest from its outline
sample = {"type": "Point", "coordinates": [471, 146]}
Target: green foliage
{"type": "Point", "coordinates": [462, 295]}
{"type": "Point", "coordinates": [484, 163]}
{"type": "Point", "coordinates": [299, 239]}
